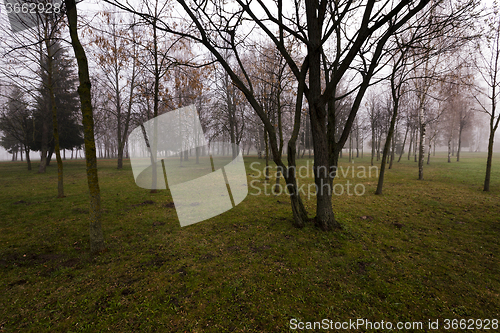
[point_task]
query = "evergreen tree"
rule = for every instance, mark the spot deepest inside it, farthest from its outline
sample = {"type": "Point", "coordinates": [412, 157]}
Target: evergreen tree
{"type": "Point", "coordinates": [16, 124]}
{"type": "Point", "coordinates": [65, 84]}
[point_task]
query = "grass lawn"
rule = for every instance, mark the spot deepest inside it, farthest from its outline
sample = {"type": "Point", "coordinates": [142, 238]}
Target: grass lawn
{"type": "Point", "coordinates": [424, 250]}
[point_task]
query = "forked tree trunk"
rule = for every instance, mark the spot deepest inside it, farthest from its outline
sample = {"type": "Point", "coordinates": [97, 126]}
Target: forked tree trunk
{"type": "Point", "coordinates": [50, 153]}
{"type": "Point", "coordinates": [96, 236]}
{"type": "Point", "coordinates": [298, 209]}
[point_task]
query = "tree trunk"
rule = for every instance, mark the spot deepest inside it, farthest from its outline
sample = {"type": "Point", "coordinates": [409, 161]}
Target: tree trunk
{"type": "Point", "coordinates": [277, 183]}
{"type": "Point", "coordinates": [449, 150]}
{"type": "Point", "coordinates": [60, 183]}
{"type": "Point", "coordinates": [96, 236]}
{"type": "Point", "coordinates": [122, 136]}
{"type": "Point", "coordinates": [489, 160]}
{"type": "Point", "coordinates": [411, 141]}
{"type": "Point", "coordinates": [121, 143]}
{"type": "Point", "coordinates": [459, 142]}
{"type": "Point", "coordinates": [357, 139]}
{"type": "Point", "coordinates": [308, 138]}
{"type": "Point", "coordinates": [404, 143]}
{"type": "Point", "coordinates": [325, 218]}
{"type": "Point", "coordinates": [50, 153]}
{"type": "Point", "coordinates": [155, 107]}
{"type": "Point", "coordinates": [28, 160]}
{"type": "Point", "coordinates": [266, 154]}
{"type": "Point", "coordinates": [43, 154]}
{"type": "Point", "coordinates": [379, 142]}
{"type": "Point", "coordinates": [387, 146]}
{"type": "Point", "coordinates": [415, 145]}
{"type": "Point", "coordinates": [280, 130]}
{"type": "Point", "coordinates": [393, 149]}
{"type": "Point", "coordinates": [231, 108]}
{"type": "Point", "coordinates": [429, 152]}
{"type": "Point", "coordinates": [298, 209]}
{"type": "Point", "coordinates": [421, 152]}
{"type": "Point", "coordinates": [373, 144]}
{"type": "Point", "coordinates": [350, 147]}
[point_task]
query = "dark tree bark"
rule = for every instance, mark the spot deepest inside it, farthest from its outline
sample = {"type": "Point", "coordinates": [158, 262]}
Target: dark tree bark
{"type": "Point", "coordinates": [393, 149]}
{"type": "Point", "coordinates": [50, 153]}
{"type": "Point", "coordinates": [28, 160]}
{"type": "Point", "coordinates": [489, 159]}
{"type": "Point", "coordinates": [96, 236]}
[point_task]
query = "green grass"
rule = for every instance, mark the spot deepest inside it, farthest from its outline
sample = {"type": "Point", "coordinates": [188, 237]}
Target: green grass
{"type": "Point", "coordinates": [423, 250]}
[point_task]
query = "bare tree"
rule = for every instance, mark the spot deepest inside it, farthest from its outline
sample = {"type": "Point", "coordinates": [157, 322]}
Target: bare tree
{"type": "Point", "coordinates": [314, 24]}
{"type": "Point", "coordinates": [488, 65]}
{"type": "Point", "coordinates": [96, 236]}
{"type": "Point", "coordinates": [116, 54]}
